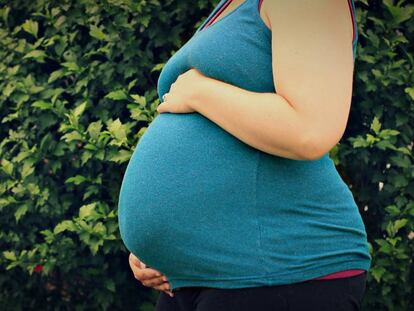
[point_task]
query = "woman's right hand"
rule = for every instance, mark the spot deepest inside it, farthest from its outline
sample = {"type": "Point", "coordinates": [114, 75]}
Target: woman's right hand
{"type": "Point", "coordinates": [149, 277]}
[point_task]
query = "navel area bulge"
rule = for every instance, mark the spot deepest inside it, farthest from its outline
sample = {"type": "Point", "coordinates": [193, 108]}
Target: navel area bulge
{"type": "Point", "coordinates": [187, 196]}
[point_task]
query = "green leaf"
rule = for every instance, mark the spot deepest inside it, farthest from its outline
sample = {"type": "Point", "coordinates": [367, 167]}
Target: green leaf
{"type": "Point", "coordinates": [36, 54]}
{"type": "Point", "coordinates": [87, 210]}
{"type": "Point", "coordinates": [386, 133]}
{"type": "Point", "coordinates": [43, 105]}
{"type": "Point", "coordinates": [56, 75]}
{"type": "Point", "coordinates": [393, 210]}
{"type": "Point", "coordinates": [399, 14]}
{"type": "Point", "coordinates": [371, 139]}
{"type": "Point", "coordinates": [9, 255]}
{"type": "Point", "coordinates": [120, 156]}
{"type": "Point", "coordinates": [66, 225]}
{"type": "Point", "coordinates": [157, 67]}
{"type": "Point", "coordinates": [377, 273]}
{"type": "Point", "coordinates": [77, 180]}
{"type": "Point", "coordinates": [385, 144]}
{"type": "Point", "coordinates": [385, 247]}
{"type": "Point", "coordinates": [27, 169]}
{"type": "Point", "coordinates": [110, 285]}
{"type": "Point", "coordinates": [100, 155]}
{"type": "Point", "coordinates": [117, 95]}
{"type": "Point", "coordinates": [21, 211]}
{"type": "Point", "coordinates": [94, 129]}
{"type": "Point", "coordinates": [8, 89]}
{"type": "Point", "coordinates": [118, 130]}
{"type": "Point", "coordinates": [72, 136]}
{"type": "Point", "coordinates": [7, 166]}
{"type": "Point", "coordinates": [141, 100]}
{"type": "Point", "coordinates": [31, 27]}
{"type": "Point", "coordinates": [79, 109]}
{"type": "Point", "coordinates": [71, 66]}
{"type": "Point", "coordinates": [410, 92]}
{"type": "Point", "coordinates": [400, 223]}
{"type": "Point", "coordinates": [131, 84]}
{"type": "Point", "coordinates": [99, 228]}
{"type": "Point", "coordinates": [375, 125]}
{"type": "Point", "coordinates": [97, 33]}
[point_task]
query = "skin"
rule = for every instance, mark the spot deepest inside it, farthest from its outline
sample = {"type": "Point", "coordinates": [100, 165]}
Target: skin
{"type": "Point", "coordinates": [313, 73]}
{"type": "Point", "coordinates": [149, 277]}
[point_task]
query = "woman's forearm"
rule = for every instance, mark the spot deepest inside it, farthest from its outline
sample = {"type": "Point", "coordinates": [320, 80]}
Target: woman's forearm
{"type": "Point", "coordinates": [265, 121]}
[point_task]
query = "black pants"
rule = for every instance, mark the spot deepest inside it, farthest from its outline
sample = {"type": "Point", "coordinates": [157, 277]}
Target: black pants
{"type": "Point", "coordinates": [342, 294]}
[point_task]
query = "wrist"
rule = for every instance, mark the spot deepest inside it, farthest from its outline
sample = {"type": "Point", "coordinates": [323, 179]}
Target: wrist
{"type": "Point", "coordinates": [200, 92]}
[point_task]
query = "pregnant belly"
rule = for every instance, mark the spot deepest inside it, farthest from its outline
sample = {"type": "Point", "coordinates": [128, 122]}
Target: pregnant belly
{"type": "Point", "coordinates": [187, 194]}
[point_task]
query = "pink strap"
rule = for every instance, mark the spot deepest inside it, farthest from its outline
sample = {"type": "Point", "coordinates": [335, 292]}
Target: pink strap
{"type": "Point", "coordinates": [218, 13]}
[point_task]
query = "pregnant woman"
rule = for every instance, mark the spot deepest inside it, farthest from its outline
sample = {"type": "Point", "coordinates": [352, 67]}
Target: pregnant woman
{"type": "Point", "coordinates": [230, 195]}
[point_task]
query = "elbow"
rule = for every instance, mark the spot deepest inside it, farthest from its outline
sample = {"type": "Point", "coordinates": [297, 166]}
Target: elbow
{"type": "Point", "coordinates": [313, 147]}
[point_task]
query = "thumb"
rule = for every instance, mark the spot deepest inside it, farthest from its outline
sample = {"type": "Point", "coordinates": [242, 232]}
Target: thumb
{"type": "Point", "coordinates": [160, 107]}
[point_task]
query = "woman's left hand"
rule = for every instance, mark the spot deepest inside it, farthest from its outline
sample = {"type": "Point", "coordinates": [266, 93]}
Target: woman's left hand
{"type": "Point", "coordinates": [183, 93]}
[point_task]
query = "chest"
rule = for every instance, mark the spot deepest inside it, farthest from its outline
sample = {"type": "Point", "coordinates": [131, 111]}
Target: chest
{"type": "Point", "coordinates": [236, 48]}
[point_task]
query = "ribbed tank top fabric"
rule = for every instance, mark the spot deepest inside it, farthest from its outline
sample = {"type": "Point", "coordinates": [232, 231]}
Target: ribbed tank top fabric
{"type": "Point", "coordinates": [207, 209]}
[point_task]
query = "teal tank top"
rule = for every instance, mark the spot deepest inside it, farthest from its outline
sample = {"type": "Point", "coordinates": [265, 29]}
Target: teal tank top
{"type": "Point", "coordinates": [206, 209]}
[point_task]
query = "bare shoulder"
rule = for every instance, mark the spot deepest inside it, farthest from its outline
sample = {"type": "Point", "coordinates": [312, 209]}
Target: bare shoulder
{"type": "Point", "coordinates": [295, 10]}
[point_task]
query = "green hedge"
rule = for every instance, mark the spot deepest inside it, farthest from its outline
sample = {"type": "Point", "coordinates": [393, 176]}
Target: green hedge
{"type": "Point", "coordinates": [78, 89]}
{"type": "Point", "coordinates": [377, 150]}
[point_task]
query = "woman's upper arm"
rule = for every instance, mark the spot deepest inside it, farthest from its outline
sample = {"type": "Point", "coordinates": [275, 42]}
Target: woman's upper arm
{"type": "Point", "coordinates": [313, 64]}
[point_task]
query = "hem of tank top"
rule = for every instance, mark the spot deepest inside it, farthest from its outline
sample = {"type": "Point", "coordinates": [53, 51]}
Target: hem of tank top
{"type": "Point", "coordinates": [271, 278]}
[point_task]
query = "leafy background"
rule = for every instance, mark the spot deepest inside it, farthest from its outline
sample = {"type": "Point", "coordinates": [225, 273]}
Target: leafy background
{"type": "Point", "coordinates": [77, 91]}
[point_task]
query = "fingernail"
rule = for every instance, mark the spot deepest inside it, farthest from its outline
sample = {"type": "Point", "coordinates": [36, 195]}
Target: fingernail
{"type": "Point", "coordinates": [164, 278]}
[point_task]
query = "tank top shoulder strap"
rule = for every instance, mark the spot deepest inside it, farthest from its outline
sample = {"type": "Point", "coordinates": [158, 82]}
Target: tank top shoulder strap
{"type": "Point", "coordinates": [212, 14]}
{"type": "Point", "coordinates": [253, 8]}
{"type": "Point", "coordinates": [353, 16]}
{"type": "Point", "coordinates": [352, 10]}
{"type": "Point", "coordinates": [246, 7]}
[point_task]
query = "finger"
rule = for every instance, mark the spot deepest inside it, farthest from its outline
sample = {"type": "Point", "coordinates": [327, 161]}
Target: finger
{"type": "Point", "coordinates": [134, 260]}
{"type": "Point", "coordinates": [170, 293]}
{"type": "Point", "coordinates": [163, 287]}
{"type": "Point", "coordinates": [136, 265]}
{"type": "Point", "coordinates": [154, 281]}
{"type": "Point", "coordinates": [161, 107]}
{"type": "Point", "coordinates": [146, 274]}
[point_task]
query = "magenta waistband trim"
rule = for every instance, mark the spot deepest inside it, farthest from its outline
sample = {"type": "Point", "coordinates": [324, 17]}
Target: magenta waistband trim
{"type": "Point", "coordinates": [341, 274]}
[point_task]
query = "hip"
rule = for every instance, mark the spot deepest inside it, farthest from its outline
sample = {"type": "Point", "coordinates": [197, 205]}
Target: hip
{"type": "Point", "coordinates": [334, 294]}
